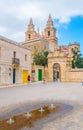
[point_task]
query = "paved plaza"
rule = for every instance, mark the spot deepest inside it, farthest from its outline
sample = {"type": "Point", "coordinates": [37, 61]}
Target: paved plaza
{"type": "Point", "coordinates": [19, 97]}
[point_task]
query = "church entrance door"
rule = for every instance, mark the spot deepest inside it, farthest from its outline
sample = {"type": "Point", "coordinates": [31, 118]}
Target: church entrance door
{"type": "Point", "coordinates": [56, 72]}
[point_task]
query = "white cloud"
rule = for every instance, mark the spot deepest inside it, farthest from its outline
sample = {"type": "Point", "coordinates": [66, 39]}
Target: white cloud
{"type": "Point", "coordinates": [3, 29]}
{"type": "Point", "coordinates": [18, 36]}
{"type": "Point", "coordinates": [39, 10]}
{"type": "Point", "coordinates": [62, 9]}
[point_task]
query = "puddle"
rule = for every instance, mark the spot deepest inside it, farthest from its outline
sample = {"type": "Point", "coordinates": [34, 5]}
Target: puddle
{"type": "Point", "coordinates": [28, 119]}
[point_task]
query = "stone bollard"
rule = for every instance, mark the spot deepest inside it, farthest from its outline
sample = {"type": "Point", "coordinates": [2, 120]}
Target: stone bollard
{"type": "Point", "coordinates": [82, 83]}
{"type": "Point", "coordinates": [43, 80]}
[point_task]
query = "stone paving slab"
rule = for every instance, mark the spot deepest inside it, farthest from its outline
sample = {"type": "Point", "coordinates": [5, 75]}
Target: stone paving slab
{"type": "Point", "coordinates": [71, 121]}
{"type": "Point", "coordinates": [12, 98]}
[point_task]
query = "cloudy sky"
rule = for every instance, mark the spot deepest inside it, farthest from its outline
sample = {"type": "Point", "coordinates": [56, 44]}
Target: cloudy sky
{"type": "Point", "coordinates": [67, 16]}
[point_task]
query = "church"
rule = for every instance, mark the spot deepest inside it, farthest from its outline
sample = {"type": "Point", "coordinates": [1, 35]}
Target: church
{"type": "Point", "coordinates": [46, 41]}
{"type": "Point", "coordinates": [16, 59]}
{"type": "Point", "coordinates": [60, 57]}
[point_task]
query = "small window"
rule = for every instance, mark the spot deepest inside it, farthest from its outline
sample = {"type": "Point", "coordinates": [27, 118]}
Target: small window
{"type": "Point", "coordinates": [9, 74]}
{"type": "Point", "coordinates": [25, 57]}
{"type": "Point", "coordinates": [14, 54]}
{"type": "Point", "coordinates": [9, 69]}
{"type": "Point", "coordinates": [48, 33]}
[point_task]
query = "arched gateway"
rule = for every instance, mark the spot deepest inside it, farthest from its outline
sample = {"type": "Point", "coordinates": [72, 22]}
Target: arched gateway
{"type": "Point", "coordinates": [56, 72]}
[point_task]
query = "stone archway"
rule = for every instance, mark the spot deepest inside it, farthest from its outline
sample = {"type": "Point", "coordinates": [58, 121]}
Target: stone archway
{"type": "Point", "coordinates": [56, 72]}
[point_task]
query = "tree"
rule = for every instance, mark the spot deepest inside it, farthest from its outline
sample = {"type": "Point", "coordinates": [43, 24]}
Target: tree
{"type": "Point", "coordinates": [77, 60]}
{"type": "Point", "coordinates": [40, 58]}
{"type": "Point", "coordinates": [80, 63]}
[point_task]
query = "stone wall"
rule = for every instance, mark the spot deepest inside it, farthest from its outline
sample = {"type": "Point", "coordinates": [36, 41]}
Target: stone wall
{"type": "Point", "coordinates": [34, 72]}
{"type": "Point", "coordinates": [8, 47]}
{"type": "Point", "coordinates": [75, 75]}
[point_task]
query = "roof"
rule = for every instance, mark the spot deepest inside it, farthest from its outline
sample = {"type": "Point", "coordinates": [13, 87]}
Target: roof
{"type": "Point", "coordinates": [7, 40]}
{"type": "Point", "coordinates": [12, 42]}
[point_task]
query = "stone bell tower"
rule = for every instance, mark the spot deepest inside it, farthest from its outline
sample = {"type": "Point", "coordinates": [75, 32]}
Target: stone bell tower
{"type": "Point", "coordinates": [30, 34]}
{"type": "Point", "coordinates": [50, 31]}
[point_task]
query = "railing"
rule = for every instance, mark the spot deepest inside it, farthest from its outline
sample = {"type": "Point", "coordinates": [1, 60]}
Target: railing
{"type": "Point", "coordinates": [15, 61]}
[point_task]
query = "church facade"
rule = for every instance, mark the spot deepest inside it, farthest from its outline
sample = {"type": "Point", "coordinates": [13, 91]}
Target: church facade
{"type": "Point", "coordinates": [46, 41]}
{"type": "Point", "coordinates": [59, 58]}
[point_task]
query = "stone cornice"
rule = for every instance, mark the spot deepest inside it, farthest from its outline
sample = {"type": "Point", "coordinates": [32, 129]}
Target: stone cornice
{"type": "Point", "coordinates": [33, 40]}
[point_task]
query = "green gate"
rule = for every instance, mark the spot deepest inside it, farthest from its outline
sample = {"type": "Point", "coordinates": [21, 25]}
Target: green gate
{"type": "Point", "coordinates": [39, 75]}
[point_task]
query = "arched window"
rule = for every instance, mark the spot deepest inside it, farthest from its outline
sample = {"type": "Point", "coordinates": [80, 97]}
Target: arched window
{"type": "Point", "coordinates": [48, 33]}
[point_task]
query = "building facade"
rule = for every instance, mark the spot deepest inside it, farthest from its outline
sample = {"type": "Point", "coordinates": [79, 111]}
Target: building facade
{"type": "Point", "coordinates": [37, 73]}
{"type": "Point", "coordinates": [15, 62]}
{"type": "Point", "coordinates": [59, 58]}
{"type": "Point", "coordinates": [46, 41]}
{"type": "Point", "coordinates": [16, 59]}
{"type": "Point", "coordinates": [60, 65]}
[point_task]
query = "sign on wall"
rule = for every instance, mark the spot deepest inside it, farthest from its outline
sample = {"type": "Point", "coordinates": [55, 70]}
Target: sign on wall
{"type": "Point", "coordinates": [66, 51]}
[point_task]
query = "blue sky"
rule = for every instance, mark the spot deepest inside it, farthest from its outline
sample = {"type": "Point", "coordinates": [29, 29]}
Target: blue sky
{"type": "Point", "coordinates": [71, 32]}
{"type": "Point", "coordinates": [67, 16]}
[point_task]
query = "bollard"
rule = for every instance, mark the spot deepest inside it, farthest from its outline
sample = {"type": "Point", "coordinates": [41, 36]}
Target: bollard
{"type": "Point", "coordinates": [82, 83]}
{"type": "Point", "coordinates": [43, 80]}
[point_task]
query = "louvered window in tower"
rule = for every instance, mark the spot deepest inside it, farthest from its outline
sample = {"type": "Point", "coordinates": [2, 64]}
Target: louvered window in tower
{"type": "Point", "coordinates": [48, 33]}
{"type": "Point", "coordinates": [29, 36]}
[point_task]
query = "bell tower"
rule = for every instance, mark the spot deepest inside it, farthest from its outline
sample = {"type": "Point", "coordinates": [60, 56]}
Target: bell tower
{"type": "Point", "coordinates": [30, 34]}
{"type": "Point", "coordinates": [50, 31]}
